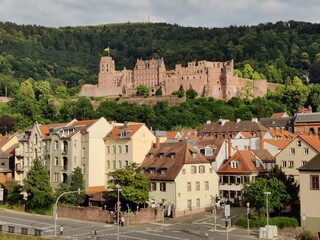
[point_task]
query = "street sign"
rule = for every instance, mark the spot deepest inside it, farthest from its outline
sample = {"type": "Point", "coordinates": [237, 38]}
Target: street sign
{"type": "Point", "coordinates": [227, 210]}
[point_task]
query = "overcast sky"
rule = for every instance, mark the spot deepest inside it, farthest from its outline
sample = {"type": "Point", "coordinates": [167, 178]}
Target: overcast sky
{"type": "Point", "coordinates": [195, 13]}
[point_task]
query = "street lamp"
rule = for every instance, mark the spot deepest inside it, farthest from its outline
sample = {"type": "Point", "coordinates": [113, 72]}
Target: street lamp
{"type": "Point", "coordinates": [118, 210]}
{"type": "Point", "coordinates": [55, 208]}
{"type": "Point", "coordinates": [267, 194]}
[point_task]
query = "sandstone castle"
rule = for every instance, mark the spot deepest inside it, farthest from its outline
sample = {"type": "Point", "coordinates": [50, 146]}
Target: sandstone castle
{"type": "Point", "coordinates": [208, 79]}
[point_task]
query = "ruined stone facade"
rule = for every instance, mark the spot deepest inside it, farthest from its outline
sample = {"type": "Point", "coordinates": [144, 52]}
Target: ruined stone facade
{"type": "Point", "coordinates": [208, 79]}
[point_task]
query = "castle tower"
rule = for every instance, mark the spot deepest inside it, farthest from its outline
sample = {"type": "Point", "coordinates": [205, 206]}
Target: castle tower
{"type": "Point", "coordinates": [106, 72]}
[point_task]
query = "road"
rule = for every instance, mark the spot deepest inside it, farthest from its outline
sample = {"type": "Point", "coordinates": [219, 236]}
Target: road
{"type": "Point", "coordinates": [195, 227]}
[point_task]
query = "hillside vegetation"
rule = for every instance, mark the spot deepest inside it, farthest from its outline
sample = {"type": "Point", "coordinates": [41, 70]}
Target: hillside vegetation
{"type": "Point", "coordinates": [43, 69]}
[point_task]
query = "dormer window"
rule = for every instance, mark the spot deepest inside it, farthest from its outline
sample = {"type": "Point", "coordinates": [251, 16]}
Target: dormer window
{"type": "Point", "coordinates": [173, 155]}
{"type": "Point", "coordinates": [151, 155]}
{"type": "Point", "coordinates": [123, 134]}
{"type": "Point", "coordinates": [161, 155]}
{"type": "Point", "coordinates": [234, 164]}
{"type": "Point", "coordinates": [257, 163]}
{"type": "Point", "coordinates": [164, 170]}
{"type": "Point", "coordinates": [152, 170]}
{"type": "Point", "coordinates": [194, 154]}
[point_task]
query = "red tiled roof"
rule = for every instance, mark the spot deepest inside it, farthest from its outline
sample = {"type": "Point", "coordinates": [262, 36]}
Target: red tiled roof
{"type": "Point", "coordinates": [182, 151]}
{"type": "Point", "coordinates": [278, 115]}
{"type": "Point", "coordinates": [131, 130]}
{"type": "Point", "coordinates": [279, 143]}
{"type": "Point", "coordinates": [172, 135]}
{"type": "Point", "coordinates": [313, 141]}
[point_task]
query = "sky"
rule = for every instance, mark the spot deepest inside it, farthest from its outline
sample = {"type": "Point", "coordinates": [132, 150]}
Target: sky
{"type": "Point", "coordinates": [194, 13]}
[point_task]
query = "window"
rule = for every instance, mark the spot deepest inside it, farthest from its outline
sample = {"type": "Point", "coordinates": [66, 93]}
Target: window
{"type": "Point", "coordinates": [153, 186]}
{"type": "Point", "coordinates": [290, 165]}
{"type": "Point", "coordinates": [234, 164]}
{"type": "Point", "coordinates": [162, 187]}
{"type": "Point", "coordinates": [83, 152]}
{"type": "Point", "coordinates": [113, 149]}
{"type": "Point", "coordinates": [152, 170]}
{"type": "Point", "coordinates": [202, 169]}
{"type": "Point", "coordinates": [56, 161]}
{"type": "Point", "coordinates": [183, 171]}
{"type": "Point", "coordinates": [299, 143]}
{"type": "Point", "coordinates": [197, 186]}
{"type": "Point", "coordinates": [56, 145]}
{"type": "Point", "coordinates": [126, 149]}
{"type": "Point", "coordinates": [194, 154]}
{"type": "Point", "coordinates": [283, 164]}
{"type": "Point", "coordinates": [114, 164]}
{"type": "Point", "coordinates": [314, 182]}
{"type": "Point", "coordinates": [108, 164]}
{"type": "Point", "coordinates": [75, 144]}
{"type": "Point", "coordinates": [164, 170]}
{"type": "Point", "coordinates": [75, 160]}
{"type": "Point", "coordinates": [206, 185]}
{"type": "Point", "coordinates": [120, 164]}
{"type": "Point", "coordinates": [83, 168]}
{"type": "Point", "coordinates": [108, 149]}
{"type": "Point", "coordinates": [55, 177]}
{"type": "Point", "coordinates": [173, 155]}
{"type": "Point", "coordinates": [161, 155]}
{"type": "Point", "coordinates": [189, 204]}
{"type": "Point", "coordinates": [119, 149]}
{"type": "Point", "coordinates": [127, 163]}
{"type": "Point", "coordinates": [193, 169]}
{"type": "Point", "coordinates": [189, 186]}
{"type": "Point", "coordinates": [306, 151]}
{"type": "Point", "coordinates": [303, 163]}
{"type": "Point", "coordinates": [198, 203]}
{"type": "Point", "coordinates": [292, 151]}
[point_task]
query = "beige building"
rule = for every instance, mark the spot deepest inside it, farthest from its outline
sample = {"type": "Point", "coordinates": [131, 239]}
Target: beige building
{"type": "Point", "coordinates": [310, 195]}
{"type": "Point", "coordinates": [181, 179]}
{"type": "Point", "coordinates": [297, 153]}
{"type": "Point", "coordinates": [7, 146]}
{"type": "Point", "coordinates": [126, 143]}
{"type": "Point", "coordinates": [63, 147]}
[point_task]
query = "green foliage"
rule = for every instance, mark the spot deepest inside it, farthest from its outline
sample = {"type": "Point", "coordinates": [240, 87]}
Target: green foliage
{"type": "Point", "coordinates": [180, 93]}
{"type": "Point", "coordinates": [307, 235]}
{"type": "Point", "coordinates": [134, 185]}
{"type": "Point", "coordinates": [14, 192]}
{"type": "Point", "coordinates": [143, 90]}
{"type": "Point", "coordinates": [77, 182]}
{"type": "Point", "coordinates": [37, 186]}
{"type": "Point", "coordinates": [191, 93]}
{"type": "Point", "coordinates": [280, 222]}
{"type": "Point", "coordinates": [254, 193]}
{"type": "Point", "coordinates": [159, 92]}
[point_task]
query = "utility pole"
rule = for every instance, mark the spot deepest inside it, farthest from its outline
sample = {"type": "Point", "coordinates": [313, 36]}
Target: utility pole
{"type": "Point", "coordinates": [55, 208]}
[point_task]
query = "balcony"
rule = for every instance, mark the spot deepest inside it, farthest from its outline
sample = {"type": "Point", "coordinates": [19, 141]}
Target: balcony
{"type": "Point", "coordinates": [19, 167]}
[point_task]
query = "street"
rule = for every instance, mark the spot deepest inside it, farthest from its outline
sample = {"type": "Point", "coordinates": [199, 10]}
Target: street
{"type": "Point", "coordinates": [198, 226]}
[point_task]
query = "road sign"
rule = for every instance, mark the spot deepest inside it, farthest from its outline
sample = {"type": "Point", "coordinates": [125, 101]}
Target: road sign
{"type": "Point", "coordinates": [227, 210]}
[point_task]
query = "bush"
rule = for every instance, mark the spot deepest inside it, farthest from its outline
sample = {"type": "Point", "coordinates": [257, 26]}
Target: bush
{"type": "Point", "coordinates": [280, 222]}
{"type": "Point", "coordinates": [307, 236]}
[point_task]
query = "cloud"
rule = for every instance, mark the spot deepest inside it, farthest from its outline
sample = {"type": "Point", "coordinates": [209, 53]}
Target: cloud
{"type": "Point", "coordinates": [204, 13]}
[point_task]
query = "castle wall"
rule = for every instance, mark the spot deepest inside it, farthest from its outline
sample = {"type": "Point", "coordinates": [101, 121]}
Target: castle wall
{"type": "Point", "coordinates": [208, 79]}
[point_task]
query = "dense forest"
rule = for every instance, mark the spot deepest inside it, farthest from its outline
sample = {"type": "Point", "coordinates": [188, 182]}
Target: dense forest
{"type": "Point", "coordinates": [42, 69]}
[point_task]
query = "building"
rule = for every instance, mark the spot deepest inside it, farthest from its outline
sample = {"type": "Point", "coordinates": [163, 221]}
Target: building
{"type": "Point", "coordinates": [7, 146]}
{"type": "Point", "coordinates": [244, 166]}
{"type": "Point", "coordinates": [208, 79]}
{"type": "Point", "coordinates": [181, 179]}
{"type": "Point", "coordinates": [297, 153]}
{"type": "Point", "coordinates": [310, 194]}
{"type": "Point", "coordinates": [127, 143]}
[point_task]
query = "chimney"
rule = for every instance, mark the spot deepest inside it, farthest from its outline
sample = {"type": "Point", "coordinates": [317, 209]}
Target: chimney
{"type": "Point", "coordinates": [255, 120]}
{"type": "Point", "coordinates": [125, 124]}
{"type": "Point", "coordinates": [238, 120]}
{"type": "Point", "coordinates": [157, 145]}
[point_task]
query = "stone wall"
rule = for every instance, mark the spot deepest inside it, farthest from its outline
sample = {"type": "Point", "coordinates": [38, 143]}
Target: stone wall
{"type": "Point", "coordinates": [144, 215]}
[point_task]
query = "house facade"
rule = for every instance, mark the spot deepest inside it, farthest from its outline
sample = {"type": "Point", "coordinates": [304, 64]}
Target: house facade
{"type": "Point", "coordinates": [310, 194]}
{"type": "Point", "coordinates": [180, 178]}
{"type": "Point", "coordinates": [297, 153]}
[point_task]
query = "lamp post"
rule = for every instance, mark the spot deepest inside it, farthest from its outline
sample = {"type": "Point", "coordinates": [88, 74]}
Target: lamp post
{"type": "Point", "coordinates": [267, 194]}
{"type": "Point", "coordinates": [118, 210]}
{"type": "Point", "coordinates": [55, 208]}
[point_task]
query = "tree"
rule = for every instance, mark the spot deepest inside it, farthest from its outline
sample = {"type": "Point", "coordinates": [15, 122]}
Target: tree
{"type": "Point", "coordinates": [143, 90]}
{"type": "Point", "coordinates": [254, 193]}
{"type": "Point", "coordinates": [292, 187]}
{"type": "Point", "coordinates": [37, 186]}
{"type": "Point", "coordinates": [7, 124]}
{"type": "Point", "coordinates": [180, 92]}
{"type": "Point", "coordinates": [190, 93]}
{"type": "Point", "coordinates": [77, 182]}
{"type": "Point", "coordinates": [135, 185]}
{"type": "Point", "coordinates": [14, 192]}
{"type": "Point", "coordinates": [26, 89]}
{"type": "Point", "coordinates": [159, 92]}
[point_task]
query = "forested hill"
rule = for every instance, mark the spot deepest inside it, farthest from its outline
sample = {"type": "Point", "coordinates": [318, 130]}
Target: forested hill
{"type": "Point", "coordinates": [274, 50]}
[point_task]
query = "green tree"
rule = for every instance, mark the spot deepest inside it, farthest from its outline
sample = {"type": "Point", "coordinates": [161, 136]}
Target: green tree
{"type": "Point", "coordinates": [135, 185]}
{"type": "Point", "coordinates": [77, 182]}
{"type": "Point", "coordinates": [14, 192]}
{"type": "Point", "coordinates": [143, 90]}
{"type": "Point", "coordinates": [292, 187]}
{"type": "Point", "coordinates": [254, 193]}
{"type": "Point", "coordinates": [37, 186]}
{"type": "Point", "coordinates": [191, 93]}
{"type": "Point", "coordinates": [180, 93]}
{"type": "Point", "coordinates": [26, 89]}
{"type": "Point", "coordinates": [159, 92]}
{"type": "Point", "coordinates": [246, 92]}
